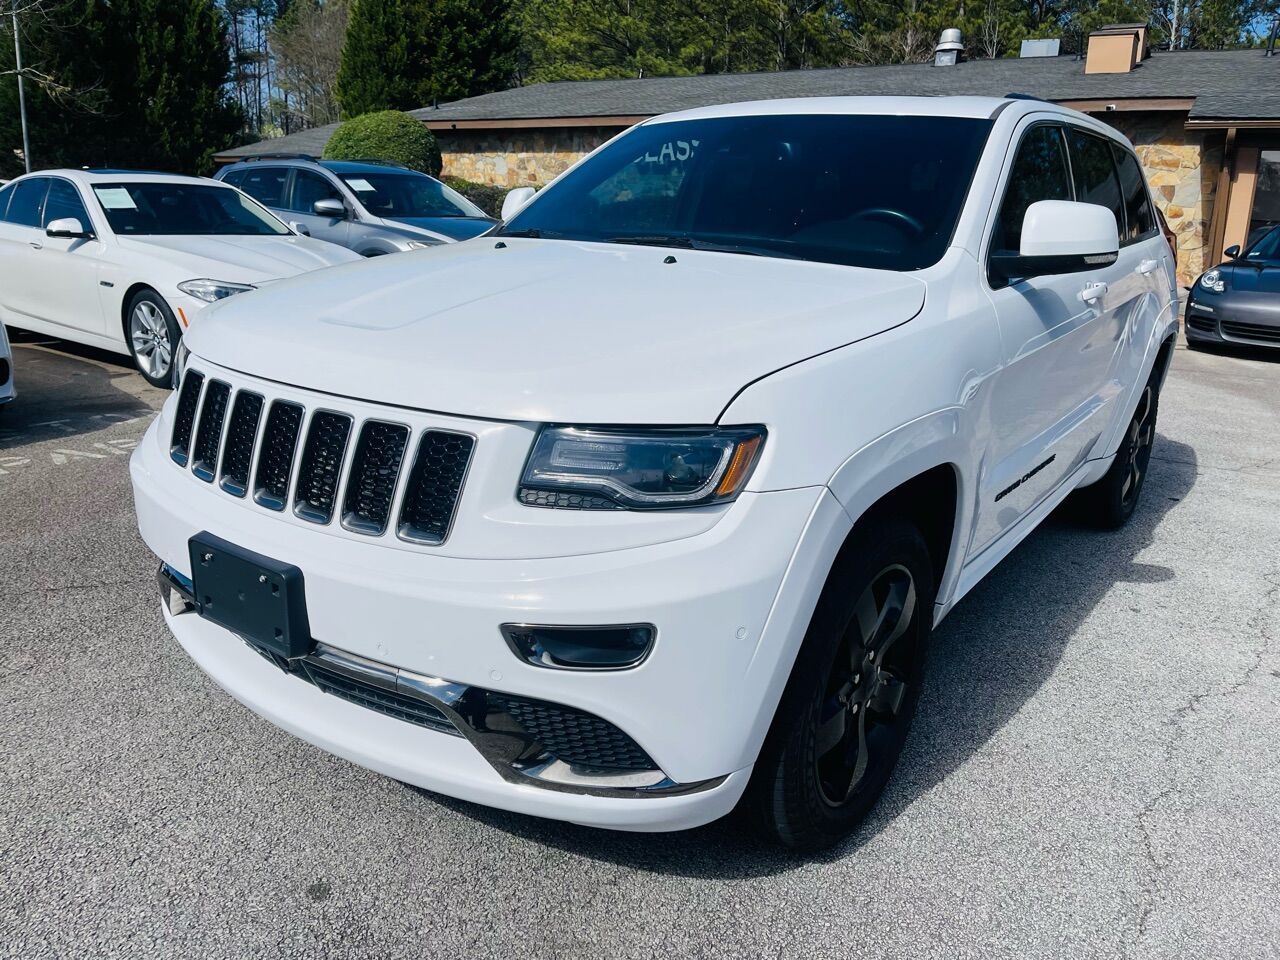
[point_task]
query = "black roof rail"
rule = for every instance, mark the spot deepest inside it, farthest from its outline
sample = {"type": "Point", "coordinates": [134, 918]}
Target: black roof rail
{"type": "Point", "coordinates": [1014, 95]}
{"type": "Point", "coordinates": [380, 163]}
{"type": "Point", "coordinates": [277, 156]}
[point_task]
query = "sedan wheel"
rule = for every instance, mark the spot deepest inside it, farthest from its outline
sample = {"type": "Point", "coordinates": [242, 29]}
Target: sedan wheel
{"type": "Point", "coordinates": [153, 337]}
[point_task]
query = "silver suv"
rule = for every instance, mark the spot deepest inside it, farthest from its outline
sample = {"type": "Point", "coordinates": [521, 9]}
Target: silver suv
{"type": "Point", "coordinates": [372, 207]}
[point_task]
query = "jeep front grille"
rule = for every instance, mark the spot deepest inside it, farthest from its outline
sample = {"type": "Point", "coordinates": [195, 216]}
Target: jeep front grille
{"type": "Point", "coordinates": [184, 418]}
{"type": "Point", "coordinates": [204, 460]}
{"type": "Point", "coordinates": [322, 461]}
{"type": "Point", "coordinates": [321, 468]}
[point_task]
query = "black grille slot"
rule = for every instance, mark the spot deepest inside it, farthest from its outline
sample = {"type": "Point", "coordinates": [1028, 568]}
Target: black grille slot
{"type": "Point", "coordinates": [393, 704]}
{"type": "Point", "coordinates": [275, 461]}
{"type": "Point", "coordinates": [1201, 323]}
{"type": "Point", "coordinates": [435, 483]}
{"type": "Point", "coordinates": [184, 418]}
{"type": "Point", "coordinates": [372, 482]}
{"type": "Point", "coordinates": [237, 449]}
{"type": "Point", "coordinates": [213, 413]}
{"type": "Point", "coordinates": [575, 737]}
{"type": "Point", "coordinates": [566, 501]}
{"type": "Point", "coordinates": [321, 466]}
{"type": "Point", "coordinates": [1251, 331]}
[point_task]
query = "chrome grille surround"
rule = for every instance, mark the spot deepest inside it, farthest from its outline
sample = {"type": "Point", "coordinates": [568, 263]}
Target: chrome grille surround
{"type": "Point", "coordinates": [378, 477]}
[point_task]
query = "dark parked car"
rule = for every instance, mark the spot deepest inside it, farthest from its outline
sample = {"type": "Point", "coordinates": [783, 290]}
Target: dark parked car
{"type": "Point", "coordinates": [1239, 301]}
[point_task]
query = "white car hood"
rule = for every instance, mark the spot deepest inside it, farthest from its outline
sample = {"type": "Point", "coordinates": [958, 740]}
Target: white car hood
{"type": "Point", "coordinates": [547, 330]}
{"type": "Point", "coordinates": [241, 259]}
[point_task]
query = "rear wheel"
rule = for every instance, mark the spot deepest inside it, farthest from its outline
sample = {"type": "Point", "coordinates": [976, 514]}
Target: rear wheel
{"type": "Point", "coordinates": [848, 705]}
{"type": "Point", "coordinates": [153, 337]}
{"type": "Point", "coordinates": [1110, 502]}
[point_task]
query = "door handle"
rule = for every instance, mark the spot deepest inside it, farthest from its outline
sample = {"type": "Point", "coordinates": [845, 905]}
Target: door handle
{"type": "Point", "coordinates": [1146, 266]}
{"type": "Point", "coordinates": [1093, 291]}
{"type": "Point", "coordinates": [36, 244]}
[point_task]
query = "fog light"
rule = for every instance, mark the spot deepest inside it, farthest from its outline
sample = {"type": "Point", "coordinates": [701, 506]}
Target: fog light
{"type": "Point", "coordinates": [580, 648]}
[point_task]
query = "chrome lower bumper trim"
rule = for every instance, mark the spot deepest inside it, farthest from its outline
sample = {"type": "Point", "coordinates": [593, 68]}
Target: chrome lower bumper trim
{"type": "Point", "coordinates": [477, 714]}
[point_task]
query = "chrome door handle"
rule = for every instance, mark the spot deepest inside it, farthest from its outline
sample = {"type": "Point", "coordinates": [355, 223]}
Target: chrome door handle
{"type": "Point", "coordinates": [1146, 266]}
{"type": "Point", "coordinates": [36, 244]}
{"type": "Point", "coordinates": [1093, 291]}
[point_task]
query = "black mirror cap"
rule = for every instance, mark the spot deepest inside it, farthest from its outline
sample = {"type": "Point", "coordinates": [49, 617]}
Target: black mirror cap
{"type": "Point", "coordinates": [1232, 251]}
{"type": "Point", "coordinates": [1005, 268]}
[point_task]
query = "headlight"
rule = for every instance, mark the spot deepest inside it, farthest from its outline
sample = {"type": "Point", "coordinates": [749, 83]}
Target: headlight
{"type": "Point", "coordinates": [211, 290]}
{"type": "Point", "coordinates": [1213, 280]}
{"type": "Point", "coordinates": [598, 468]}
{"type": "Point", "coordinates": [419, 244]}
{"type": "Point", "coordinates": [180, 357]}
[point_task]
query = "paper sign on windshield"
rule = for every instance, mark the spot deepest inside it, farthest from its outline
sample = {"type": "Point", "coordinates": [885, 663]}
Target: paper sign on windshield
{"type": "Point", "coordinates": [358, 184]}
{"type": "Point", "coordinates": [115, 198]}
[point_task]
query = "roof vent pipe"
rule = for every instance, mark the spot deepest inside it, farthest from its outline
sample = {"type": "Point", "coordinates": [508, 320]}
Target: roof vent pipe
{"type": "Point", "coordinates": [1271, 41]}
{"type": "Point", "coordinates": [950, 47]}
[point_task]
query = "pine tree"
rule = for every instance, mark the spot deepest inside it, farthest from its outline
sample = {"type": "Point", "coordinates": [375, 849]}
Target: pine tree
{"type": "Point", "coordinates": [374, 72]}
{"type": "Point", "coordinates": [460, 48]}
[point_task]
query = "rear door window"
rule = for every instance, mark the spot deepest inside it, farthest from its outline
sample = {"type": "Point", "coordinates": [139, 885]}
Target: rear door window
{"type": "Point", "coordinates": [266, 185]}
{"type": "Point", "coordinates": [1141, 222]}
{"type": "Point", "coordinates": [1039, 173]}
{"type": "Point", "coordinates": [1094, 171]}
{"type": "Point", "coordinates": [27, 204]}
{"type": "Point", "coordinates": [234, 178]}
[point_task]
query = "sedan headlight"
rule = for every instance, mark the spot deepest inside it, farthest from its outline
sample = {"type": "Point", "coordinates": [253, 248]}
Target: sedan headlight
{"type": "Point", "coordinates": [601, 468]}
{"type": "Point", "coordinates": [1213, 280]}
{"type": "Point", "coordinates": [211, 290]}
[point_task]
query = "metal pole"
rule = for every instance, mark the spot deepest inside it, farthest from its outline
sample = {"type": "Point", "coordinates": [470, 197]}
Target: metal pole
{"type": "Point", "coordinates": [22, 100]}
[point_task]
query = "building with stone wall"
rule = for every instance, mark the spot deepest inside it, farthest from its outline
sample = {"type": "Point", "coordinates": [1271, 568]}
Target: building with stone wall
{"type": "Point", "coordinates": [1206, 124]}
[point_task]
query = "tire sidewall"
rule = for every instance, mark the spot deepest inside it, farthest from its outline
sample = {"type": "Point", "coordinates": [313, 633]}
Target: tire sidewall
{"type": "Point", "coordinates": [175, 335]}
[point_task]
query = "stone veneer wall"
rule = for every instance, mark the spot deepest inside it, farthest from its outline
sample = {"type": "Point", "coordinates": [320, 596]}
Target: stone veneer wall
{"type": "Point", "coordinates": [519, 156]}
{"type": "Point", "coordinates": [1182, 167]}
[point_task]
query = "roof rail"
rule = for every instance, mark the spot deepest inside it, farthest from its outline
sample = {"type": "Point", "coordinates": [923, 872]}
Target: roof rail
{"type": "Point", "coordinates": [276, 156]}
{"type": "Point", "coordinates": [380, 163]}
{"type": "Point", "coordinates": [1014, 95]}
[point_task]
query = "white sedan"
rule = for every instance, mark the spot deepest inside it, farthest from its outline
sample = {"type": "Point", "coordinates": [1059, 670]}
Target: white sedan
{"type": "Point", "coordinates": [125, 261]}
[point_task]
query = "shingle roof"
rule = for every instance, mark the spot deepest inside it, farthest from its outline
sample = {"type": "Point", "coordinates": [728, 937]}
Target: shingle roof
{"type": "Point", "coordinates": [1225, 84]}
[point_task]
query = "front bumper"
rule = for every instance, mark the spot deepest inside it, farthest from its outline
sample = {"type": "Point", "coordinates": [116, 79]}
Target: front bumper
{"type": "Point", "coordinates": [699, 705]}
{"type": "Point", "coordinates": [1246, 319]}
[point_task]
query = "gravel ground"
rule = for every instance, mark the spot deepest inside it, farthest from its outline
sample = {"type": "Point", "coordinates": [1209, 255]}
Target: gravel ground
{"type": "Point", "coordinates": [1093, 771]}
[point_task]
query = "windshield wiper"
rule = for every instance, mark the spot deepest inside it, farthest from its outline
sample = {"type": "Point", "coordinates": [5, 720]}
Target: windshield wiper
{"type": "Point", "coordinates": [533, 233]}
{"type": "Point", "coordinates": [690, 243]}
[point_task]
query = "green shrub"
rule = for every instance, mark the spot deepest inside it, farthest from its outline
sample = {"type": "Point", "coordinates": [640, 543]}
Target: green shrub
{"type": "Point", "coordinates": [485, 196]}
{"type": "Point", "coordinates": [386, 135]}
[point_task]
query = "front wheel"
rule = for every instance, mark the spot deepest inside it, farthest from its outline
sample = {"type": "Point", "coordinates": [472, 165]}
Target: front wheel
{"type": "Point", "coordinates": [844, 716]}
{"type": "Point", "coordinates": [153, 337]}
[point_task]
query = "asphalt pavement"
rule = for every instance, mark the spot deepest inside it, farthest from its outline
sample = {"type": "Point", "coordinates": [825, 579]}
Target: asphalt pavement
{"type": "Point", "coordinates": [1094, 770]}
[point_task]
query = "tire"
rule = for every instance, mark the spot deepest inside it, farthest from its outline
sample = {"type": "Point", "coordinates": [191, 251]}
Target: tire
{"type": "Point", "coordinates": [844, 716]}
{"type": "Point", "coordinates": [1110, 502]}
{"type": "Point", "coordinates": [153, 336]}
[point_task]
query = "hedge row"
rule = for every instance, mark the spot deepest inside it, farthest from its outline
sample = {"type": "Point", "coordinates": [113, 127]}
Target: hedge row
{"type": "Point", "coordinates": [485, 196]}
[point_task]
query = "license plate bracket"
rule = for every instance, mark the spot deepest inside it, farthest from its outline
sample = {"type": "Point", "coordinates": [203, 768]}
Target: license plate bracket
{"type": "Point", "coordinates": [261, 599]}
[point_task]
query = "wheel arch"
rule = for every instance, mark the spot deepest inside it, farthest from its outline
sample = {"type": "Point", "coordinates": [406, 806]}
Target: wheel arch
{"type": "Point", "coordinates": [126, 301]}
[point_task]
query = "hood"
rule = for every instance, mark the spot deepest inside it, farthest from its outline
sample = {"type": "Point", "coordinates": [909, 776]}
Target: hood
{"type": "Point", "coordinates": [1245, 277]}
{"type": "Point", "coordinates": [242, 259]}
{"type": "Point", "coordinates": [455, 228]}
{"type": "Point", "coordinates": [547, 330]}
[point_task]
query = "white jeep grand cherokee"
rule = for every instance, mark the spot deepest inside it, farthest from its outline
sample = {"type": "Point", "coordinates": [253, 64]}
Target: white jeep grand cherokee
{"type": "Point", "coordinates": [644, 506]}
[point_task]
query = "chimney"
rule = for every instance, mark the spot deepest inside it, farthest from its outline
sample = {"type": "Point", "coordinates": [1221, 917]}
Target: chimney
{"type": "Point", "coordinates": [949, 49]}
{"type": "Point", "coordinates": [1116, 48]}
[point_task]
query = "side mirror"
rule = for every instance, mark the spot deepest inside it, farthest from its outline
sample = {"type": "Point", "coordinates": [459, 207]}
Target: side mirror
{"type": "Point", "coordinates": [1060, 236]}
{"type": "Point", "coordinates": [1232, 251]}
{"type": "Point", "coordinates": [299, 228]}
{"type": "Point", "coordinates": [68, 228]}
{"type": "Point", "coordinates": [330, 207]}
{"type": "Point", "coordinates": [516, 199]}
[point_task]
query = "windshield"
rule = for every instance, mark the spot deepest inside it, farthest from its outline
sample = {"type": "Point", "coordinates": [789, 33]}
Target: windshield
{"type": "Point", "coordinates": [408, 196]}
{"type": "Point", "coordinates": [183, 209]}
{"type": "Point", "coordinates": [1266, 249]}
{"type": "Point", "coordinates": [871, 191]}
